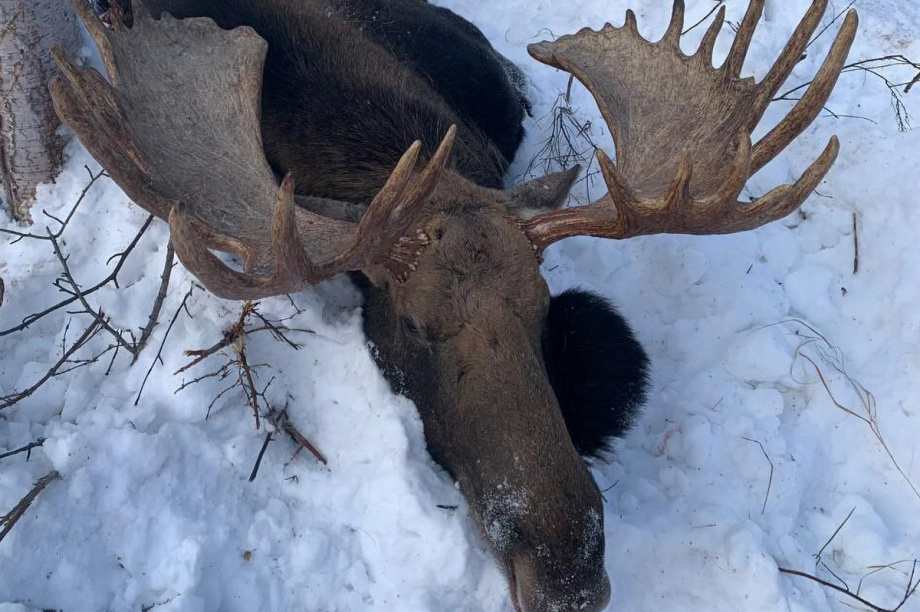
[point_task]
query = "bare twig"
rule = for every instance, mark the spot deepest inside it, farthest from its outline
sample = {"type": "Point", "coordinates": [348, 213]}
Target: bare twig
{"type": "Point", "coordinates": [818, 554]}
{"type": "Point", "coordinates": [855, 245]}
{"type": "Point", "coordinates": [159, 354]}
{"type": "Point", "coordinates": [111, 278]}
{"type": "Point", "coordinates": [12, 517]}
{"type": "Point", "coordinates": [832, 22]}
{"type": "Point", "coordinates": [255, 468]}
{"type": "Point", "coordinates": [76, 291]}
{"type": "Point", "coordinates": [14, 398]}
{"type": "Point", "coordinates": [157, 303]}
{"type": "Point", "coordinates": [569, 143]}
{"type": "Point", "coordinates": [707, 16]}
{"type": "Point", "coordinates": [25, 449]}
{"type": "Point", "coordinates": [281, 422]}
{"type": "Point", "coordinates": [867, 412]}
{"type": "Point", "coordinates": [870, 419]}
{"type": "Point", "coordinates": [770, 480]}
{"type": "Point", "coordinates": [874, 67]}
{"type": "Point", "coordinates": [909, 591]}
{"type": "Point", "coordinates": [63, 223]}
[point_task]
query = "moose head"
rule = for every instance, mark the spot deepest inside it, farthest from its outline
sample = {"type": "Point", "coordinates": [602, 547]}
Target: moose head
{"type": "Point", "coordinates": [462, 321]}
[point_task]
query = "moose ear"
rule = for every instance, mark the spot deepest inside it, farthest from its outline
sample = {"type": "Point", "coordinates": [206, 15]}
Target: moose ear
{"type": "Point", "coordinates": [538, 196]}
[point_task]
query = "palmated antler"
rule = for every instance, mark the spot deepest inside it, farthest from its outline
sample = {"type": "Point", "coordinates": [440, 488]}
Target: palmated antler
{"type": "Point", "coordinates": [682, 128]}
{"type": "Point", "coordinates": [178, 128]}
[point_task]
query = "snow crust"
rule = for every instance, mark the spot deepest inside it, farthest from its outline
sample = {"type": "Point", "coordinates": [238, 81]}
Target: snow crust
{"type": "Point", "coordinates": [154, 507]}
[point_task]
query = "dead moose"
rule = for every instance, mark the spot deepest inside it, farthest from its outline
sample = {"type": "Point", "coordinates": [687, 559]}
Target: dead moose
{"type": "Point", "coordinates": [315, 137]}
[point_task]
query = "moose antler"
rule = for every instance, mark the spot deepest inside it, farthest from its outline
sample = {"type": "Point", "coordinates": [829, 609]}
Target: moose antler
{"type": "Point", "coordinates": [682, 128]}
{"type": "Point", "coordinates": [178, 129]}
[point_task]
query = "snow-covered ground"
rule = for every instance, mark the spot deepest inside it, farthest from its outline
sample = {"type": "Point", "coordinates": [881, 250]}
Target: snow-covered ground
{"type": "Point", "coordinates": [741, 464]}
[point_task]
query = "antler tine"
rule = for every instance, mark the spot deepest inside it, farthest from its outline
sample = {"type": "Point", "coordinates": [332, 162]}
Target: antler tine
{"type": "Point", "coordinates": [287, 251]}
{"type": "Point", "coordinates": [743, 39]}
{"type": "Point", "coordinates": [808, 107]}
{"type": "Point", "coordinates": [291, 268]}
{"type": "Point", "coordinates": [388, 198]}
{"type": "Point", "coordinates": [398, 205]}
{"type": "Point", "coordinates": [676, 27]}
{"type": "Point", "coordinates": [788, 58]}
{"type": "Point", "coordinates": [98, 97]}
{"type": "Point", "coordinates": [216, 276]}
{"type": "Point", "coordinates": [708, 44]}
{"type": "Point", "coordinates": [781, 201]}
{"type": "Point", "coordinates": [631, 23]}
{"type": "Point", "coordinates": [739, 173]}
{"type": "Point", "coordinates": [430, 175]}
{"type": "Point", "coordinates": [616, 185]}
{"type": "Point", "coordinates": [97, 32]}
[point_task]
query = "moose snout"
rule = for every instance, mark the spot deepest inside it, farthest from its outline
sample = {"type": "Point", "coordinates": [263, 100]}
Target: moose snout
{"type": "Point", "coordinates": [584, 592]}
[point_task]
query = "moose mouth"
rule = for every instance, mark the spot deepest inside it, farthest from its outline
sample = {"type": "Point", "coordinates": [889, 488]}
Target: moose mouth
{"type": "Point", "coordinates": [588, 603]}
{"type": "Point", "coordinates": [513, 587]}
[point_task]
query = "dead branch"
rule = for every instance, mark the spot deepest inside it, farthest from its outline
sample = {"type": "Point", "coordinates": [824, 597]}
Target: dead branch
{"type": "Point", "coordinates": [833, 358]}
{"type": "Point", "coordinates": [78, 293]}
{"type": "Point", "coordinates": [836, 18]}
{"type": "Point", "coordinates": [111, 278]}
{"type": "Point", "coordinates": [766, 496]}
{"type": "Point", "coordinates": [255, 468]}
{"type": "Point", "coordinates": [570, 143]}
{"type": "Point", "coordinates": [874, 67]}
{"type": "Point", "coordinates": [85, 337]}
{"type": "Point", "coordinates": [280, 422]}
{"type": "Point", "coordinates": [235, 338]}
{"type": "Point", "coordinates": [24, 449]}
{"type": "Point", "coordinates": [855, 245]}
{"type": "Point", "coordinates": [12, 517]}
{"type": "Point", "coordinates": [817, 555]}
{"type": "Point", "coordinates": [909, 591]}
{"type": "Point", "coordinates": [705, 17]}
{"type": "Point", "coordinates": [157, 303]}
{"type": "Point", "coordinates": [159, 355]}
{"type": "Point", "coordinates": [870, 419]}
{"type": "Point", "coordinates": [63, 223]}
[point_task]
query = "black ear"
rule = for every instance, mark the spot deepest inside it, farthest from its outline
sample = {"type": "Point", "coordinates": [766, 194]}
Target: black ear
{"type": "Point", "coordinates": [540, 195]}
{"type": "Point", "coordinates": [597, 368]}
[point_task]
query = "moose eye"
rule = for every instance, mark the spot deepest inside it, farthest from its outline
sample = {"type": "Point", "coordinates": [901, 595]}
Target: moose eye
{"type": "Point", "coordinates": [410, 325]}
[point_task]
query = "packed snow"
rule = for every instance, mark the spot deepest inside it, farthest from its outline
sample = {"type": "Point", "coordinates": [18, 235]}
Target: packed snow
{"type": "Point", "coordinates": [744, 460]}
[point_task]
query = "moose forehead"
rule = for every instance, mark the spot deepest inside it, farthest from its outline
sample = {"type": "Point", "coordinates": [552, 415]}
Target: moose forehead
{"type": "Point", "coordinates": [478, 258]}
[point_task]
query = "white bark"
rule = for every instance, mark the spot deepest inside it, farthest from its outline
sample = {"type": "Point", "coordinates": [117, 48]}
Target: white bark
{"type": "Point", "coordinates": [30, 150]}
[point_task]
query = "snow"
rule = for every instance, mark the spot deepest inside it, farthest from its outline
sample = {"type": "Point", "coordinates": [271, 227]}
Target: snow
{"type": "Point", "coordinates": [742, 462]}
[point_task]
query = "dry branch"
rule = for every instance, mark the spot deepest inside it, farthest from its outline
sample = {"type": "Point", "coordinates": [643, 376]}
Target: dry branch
{"type": "Point", "coordinates": [10, 519]}
{"type": "Point", "coordinates": [830, 355]}
{"type": "Point", "coordinates": [875, 67]}
{"type": "Point", "coordinates": [818, 560]}
{"type": "Point", "coordinates": [158, 356]}
{"type": "Point", "coordinates": [845, 589]}
{"type": "Point", "coordinates": [766, 496]}
{"type": "Point", "coordinates": [235, 338]}
{"type": "Point", "coordinates": [255, 468]}
{"type": "Point", "coordinates": [280, 421]}
{"type": "Point", "coordinates": [24, 449]}
{"type": "Point", "coordinates": [68, 284]}
{"type": "Point", "coordinates": [93, 178]}
{"type": "Point", "coordinates": [55, 370]}
{"type": "Point", "coordinates": [111, 278]}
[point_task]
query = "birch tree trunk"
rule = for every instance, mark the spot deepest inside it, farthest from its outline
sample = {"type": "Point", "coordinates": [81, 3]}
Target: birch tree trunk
{"type": "Point", "coordinates": [30, 150]}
